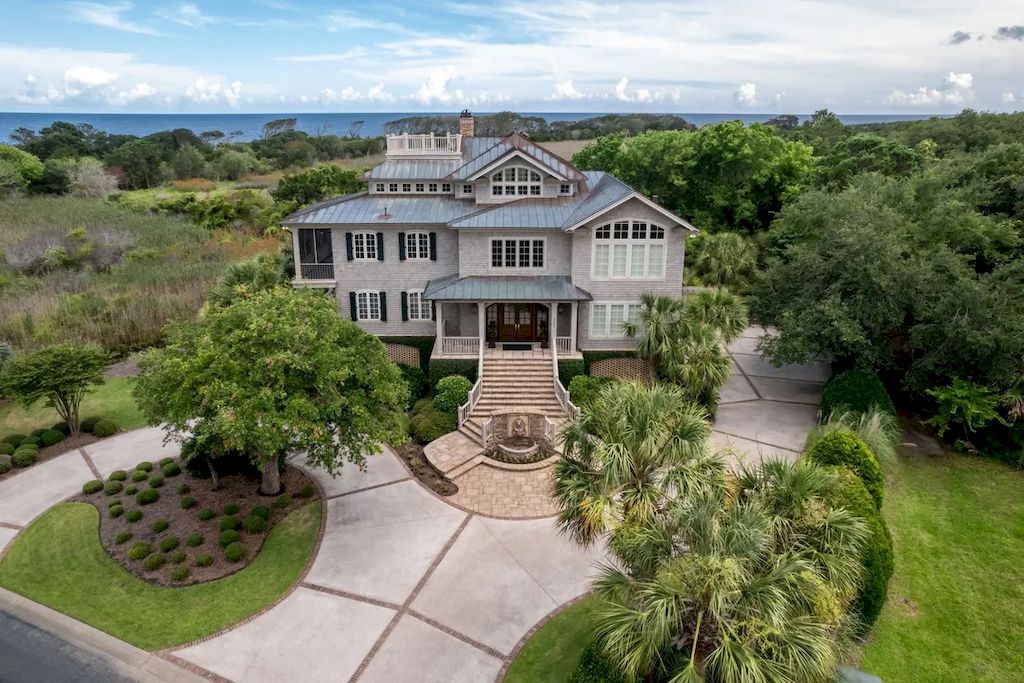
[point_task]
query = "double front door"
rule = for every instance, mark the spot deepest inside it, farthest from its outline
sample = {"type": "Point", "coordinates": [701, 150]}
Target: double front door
{"type": "Point", "coordinates": [519, 322]}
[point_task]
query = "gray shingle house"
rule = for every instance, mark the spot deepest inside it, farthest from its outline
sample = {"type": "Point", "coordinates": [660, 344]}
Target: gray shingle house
{"type": "Point", "coordinates": [485, 241]}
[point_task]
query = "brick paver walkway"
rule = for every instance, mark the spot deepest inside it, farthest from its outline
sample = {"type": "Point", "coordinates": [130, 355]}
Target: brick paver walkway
{"type": "Point", "coordinates": [509, 495]}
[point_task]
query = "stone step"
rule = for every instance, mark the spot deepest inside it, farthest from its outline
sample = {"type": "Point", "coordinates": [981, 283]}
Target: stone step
{"type": "Point", "coordinates": [457, 472]}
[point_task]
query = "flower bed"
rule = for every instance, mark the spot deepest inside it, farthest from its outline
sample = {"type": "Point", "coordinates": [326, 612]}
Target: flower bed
{"type": "Point", "coordinates": [20, 451]}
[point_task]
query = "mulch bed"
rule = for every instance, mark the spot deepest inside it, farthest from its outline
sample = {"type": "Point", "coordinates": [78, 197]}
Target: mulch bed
{"type": "Point", "coordinates": [235, 489]}
{"type": "Point", "coordinates": [412, 454]}
{"type": "Point", "coordinates": [50, 452]}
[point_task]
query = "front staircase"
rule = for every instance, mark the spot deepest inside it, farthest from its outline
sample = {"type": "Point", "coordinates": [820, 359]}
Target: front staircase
{"type": "Point", "coordinates": [513, 383]}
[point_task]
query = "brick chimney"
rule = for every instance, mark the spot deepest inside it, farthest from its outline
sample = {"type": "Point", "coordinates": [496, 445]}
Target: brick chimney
{"type": "Point", "coordinates": [467, 124]}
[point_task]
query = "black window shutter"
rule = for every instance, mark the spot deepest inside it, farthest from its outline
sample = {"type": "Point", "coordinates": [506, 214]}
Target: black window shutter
{"type": "Point", "coordinates": [433, 246]}
{"type": "Point", "coordinates": [352, 303]}
{"type": "Point", "coordinates": [401, 246]}
{"type": "Point", "coordinates": [433, 310]}
{"type": "Point", "coordinates": [383, 307]}
{"type": "Point", "coordinates": [380, 246]}
{"type": "Point", "coordinates": [405, 306]}
{"type": "Point", "coordinates": [348, 245]}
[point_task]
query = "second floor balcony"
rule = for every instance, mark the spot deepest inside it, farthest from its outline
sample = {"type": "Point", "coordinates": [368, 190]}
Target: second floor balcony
{"type": "Point", "coordinates": [429, 145]}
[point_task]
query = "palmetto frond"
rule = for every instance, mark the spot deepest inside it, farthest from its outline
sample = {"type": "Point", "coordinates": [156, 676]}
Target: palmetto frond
{"type": "Point", "coordinates": [719, 309]}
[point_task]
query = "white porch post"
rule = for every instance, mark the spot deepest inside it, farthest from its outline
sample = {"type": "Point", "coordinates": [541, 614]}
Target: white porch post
{"type": "Point", "coordinates": [481, 308]}
{"type": "Point", "coordinates": [296, 259]}
{"type": "Point", "coordinates": [573, 316]}
{"type": "Point", "coordinates": [440, 323]}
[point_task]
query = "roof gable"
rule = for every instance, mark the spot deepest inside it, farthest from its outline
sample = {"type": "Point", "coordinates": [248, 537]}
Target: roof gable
{"type": "Point", "coordinates": [522, 147]}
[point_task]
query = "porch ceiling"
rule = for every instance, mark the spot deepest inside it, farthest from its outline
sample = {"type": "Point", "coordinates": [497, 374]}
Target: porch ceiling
{"type": "Point", "coordinates": [485, 288]}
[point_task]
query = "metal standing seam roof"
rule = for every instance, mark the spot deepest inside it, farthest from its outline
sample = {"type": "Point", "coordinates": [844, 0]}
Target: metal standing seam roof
{"type": "Point", "coordinates": [507, 146]}
{"type": "Point", "coordinates": [486, 288]}
{"type": "Point", "coordinates": [413, 169]}
{"type": "Point", "coordinates": [605, 190]}
{"type": "Point", "coordinates": [369, 209]}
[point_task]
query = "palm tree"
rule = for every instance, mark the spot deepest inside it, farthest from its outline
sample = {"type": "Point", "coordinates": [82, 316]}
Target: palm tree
{"type": "Point", "coordinates": [719, 309]}
{"type": "Point", "coordinates": [659, 320]}
{"type": "Point", "coordinates": [725, 259]}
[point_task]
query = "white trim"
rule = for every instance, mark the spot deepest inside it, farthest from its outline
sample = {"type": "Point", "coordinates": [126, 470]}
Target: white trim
{"type": "Point", "coordinates": [607, 334]}
{"type": "Point", "coordinates": [372, 243]}
{"type": "Point", "coordinates": [628, 242]}
{"type": "Point", "coordinates": [367, 293]}
{"type": "Point", "coordinates": [517, 239]}
{"type": "Point", "coordinates": [406, 246]}
{"type": "Point", "coordinates": [419, 308]}
{"type": "Point", "coordinates": [635, 195]}
{"type": "Point", "coordinates": [525, 157]}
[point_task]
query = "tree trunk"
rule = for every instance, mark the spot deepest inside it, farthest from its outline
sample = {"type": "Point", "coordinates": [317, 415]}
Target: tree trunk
{"type": "Point", "coordinates": [213, 473]}
{"type": "Point", "coordinates": [270, 480]}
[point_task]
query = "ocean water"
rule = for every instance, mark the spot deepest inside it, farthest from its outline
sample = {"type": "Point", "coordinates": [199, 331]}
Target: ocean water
{"type": "Point", "coordinates": [249, 125]}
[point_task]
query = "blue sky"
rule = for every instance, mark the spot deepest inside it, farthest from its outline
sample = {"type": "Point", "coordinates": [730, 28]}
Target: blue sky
{"type": "Point", "coordinates": [852, 56]}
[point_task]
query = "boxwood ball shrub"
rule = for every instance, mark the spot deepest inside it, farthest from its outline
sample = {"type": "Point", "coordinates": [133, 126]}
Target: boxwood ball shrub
{"type": "Point", "coordinates": [228, 537]}
{"type": "Point", "coordinates": [6, 463]}
{"type": "Point", "coordinates": [206, 514]}
{"type": "Point", "coordinates": [61, 427]}
{"type": "Point", "coordinates": [171, 469]}
{"type": "Point", "coordinates": [254, 525]}
{"type": "Point", "coordinates": [877, 555]}
{"type": "Point", "coordinates": [308, 491]}
{"type": "Point", "coordinates": [31, 441]}
{"type": "Point", "coordinates": [156, 481]}
{"type": "Point", "coordinates": [179, 574]}
{"type": "Point", "coordinates": [14, 439]}
{"type": "Point", "coordinates": [204, 560]}
{"type": "Point", "coordinates": [139, 476]}
{"type": "Point", "coordinates": [182, 489]}
{"type": "Point", "coordinates": [139, 550]}
{"type": "Point", "coordinates": [147, 496]}
{"type": "Point", "coordinates": [261, 511]}
{"type": "Point", "coordinates": [187, 502]}
{"type": "Point", "coordinates": [179, 557]}
{"type": "Point", "coordinates": [145, 466]}
{"type": "Point", "coordinates": [118, 475]}
{"type": "Point", "coordinates": [87, 424]}
{"type": "Point", "coordinates": [169, 543]}
{"type": "Point", "coordinates": [116, 501]}
{"type": "Point", "coordinates": [133, 515]}
{"type": "Point", "coordinates": [153, 562]}
{"type": "Point", "coordinates": [231, 509]}
{"type": "Point", "coordinates": [112, 488]}
{"type": "Point", "coordinates": [194, 540]}
{"type": "Point", "coordinates": [228, 523]}
{"type": "Point", "coordinates": [283, 501]}
{"type": "Point", "coordinates": [855, 391]}
{"type": "Point", "coordinates": [51, 436]}
{"type": "Point", "coordinates": [234, 552]}
{"type": "Point", "coordinates": [844, 448]}
{"type": "Point", "coordinates": [163, 461]}
{"type": "Point", "coordinates": [104, 428]}
{"type": "Point", "coordinates": [23, 457]}
{"type": "Point", "coordinates": [122, 537]}
{"type": "Point", "coordinates": [6, 448]}
{"type": "Point", "coordinates": [93, 486]}
{"type": "Point", "coordinates": [160, 525]}
{"type": "Point", "coordinates": [37, 432]}
{"type": "Point", "coordinates": [116, 511]}
{"type": "Point", "coordinates": [451, 392]}
{"type": "Point", "coordinates": [131, 490]}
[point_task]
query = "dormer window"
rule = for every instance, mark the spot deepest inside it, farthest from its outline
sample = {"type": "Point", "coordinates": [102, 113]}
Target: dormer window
{"type": "Point", "coordinates": [406, 187]}
{"type": "Point", "coordinates": [446, 188]}
{"type": "Point", "coordinates": [467, 189]}
{"type": "Point", "coordinates": [392, 187]}
{"type": "Point", "coordinates": [380, 187]}
{"type": "Point", "coordinates": [565, 189]}
{"type": "Point", "coordinates": [515, 181]}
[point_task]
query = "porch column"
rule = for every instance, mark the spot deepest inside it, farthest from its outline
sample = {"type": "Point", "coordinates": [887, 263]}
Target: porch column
{"type": "Point", "coordinates": [440, 322]}
{"type": "Point", "coordinates": [296, 259]}
{"type": "Point", "coordinates": [481, 308]}
{"type": "Point", "coordinates": [573, 307]}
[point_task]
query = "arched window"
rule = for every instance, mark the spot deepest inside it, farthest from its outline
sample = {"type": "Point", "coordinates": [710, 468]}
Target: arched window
{"type": "Point", "coordinates": [515, 181]}
{"type": "Point", "coordinates": [629, 250]}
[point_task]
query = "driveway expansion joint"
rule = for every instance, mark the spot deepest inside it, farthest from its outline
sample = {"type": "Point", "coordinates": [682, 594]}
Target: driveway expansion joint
{"type": "Point", "coordinates": [366, 488]}
{"type": "Point", "coordinates": [758, 441]}
{"type": "Point", "coordinates": [90, 463]}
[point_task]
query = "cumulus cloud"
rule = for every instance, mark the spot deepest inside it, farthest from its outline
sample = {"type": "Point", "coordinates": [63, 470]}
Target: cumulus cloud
{"type": "Point", "coordinates": [1009, 33]}
{"type": "Point", "coordinates": [435, 88]}
{"type": "Point", "coordinates": [565, 90]}
{"type": "Point", "coordinates": [956, 89]}
{"type": "Point", "coordinates": [210, 91]}
{"type": "Point", "coordinates": [108, 15]}
{"type": "Point", "coordinates": [746, 95]}
{"type": "Point", "coordinates": [620, 90]}
{"type": "Point", "coordinates": [89, 76]}
{"type": "Point", "coordinates": [959, 37]}
{"type": "Point", "coordinates": [1009, 98]}
{"type": "Point", "coordinates": [141, 91]}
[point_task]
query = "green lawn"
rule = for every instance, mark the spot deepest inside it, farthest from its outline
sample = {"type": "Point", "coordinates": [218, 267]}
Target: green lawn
{"type": "Point", "coordinates": [554, 651]}
{"type": "Point", "coordinates": [956, 602]}
{"type": "Point", "coordinates": [111, 399]}
{"type": "Point", "coordinates": [59, 562]}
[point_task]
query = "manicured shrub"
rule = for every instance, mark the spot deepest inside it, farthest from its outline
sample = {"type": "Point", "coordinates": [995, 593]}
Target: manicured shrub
{"type": "Point", "coordinates": [439, 369]}
{"type": "Point", "coordinates": [583, 389]}
{"type": "Point", "coordinates": [6, 448]}
{"type": "Point", "coordinates": [163, 461]}
{"type": "Point", "coordinates": [204, 560]}
{"type": "Point", "coordinates": [179, 573]}
{"type": "Point", "coordinates": [31, 441]}
{"type": "Point", "coordinates": [112, 503]}
{"type": "Point", "coordinates": [179, 557]}
{"type": "Point", "coordinates": [118, 475]}
{"type": "Point", "coordinates": [261, 511]}
{"type": "Point", "coordinates": [133, 515]}
{"type": "Point", "coordinates": [308, 491]}
{"type": "Point", "coordinates": [6, 463]}
{"type": "Point", "coordinates": [171, 469]}
{"type": "Point", "coordinates": [140, 475]}
{"type": "Point", "coordinates": [595, 667]}
{"type": "Point", "coordinates": [26, 446]}
{"type": "Point", "coordinates": [112, 488]}
{"type": "Point", "coordinates": [843, 447]}
{"type": "Point", "coordinates": [182, 489]}
{"type": "Point", "coordinates": [194, 540]}
{"type": "Point", "coordinates": [231, 509]}
{"type": "Point", "coordinates": [855, 391]}
{"type": "Point", "coordinates": [160, 525]}
{"type": "Point", "coordinates": [153, 562]}
{"type": "Point", "coordinates": [229, 522]}
{"type": "Point", "coordinates": [877, 554]}
{"type": "Point", "coordinates": [234, 552]}
{"type": "Point", "coordinates": [116, 511]}
{"type": "Point", "coordinates": [187, 502]}
{"type": "Point", "coordinates": [61, 427]}
{"type": "Point", "coordinates": [88, 423]}
{"type": "Point", "coordinates": [14, 439]}
{"type": "Point", "coordinates": [139, 550]}
{"type": "Point", "coordinates": [147, 496]}
{"type": "Point", "coordinates": [156, 481]}
{"type": "Point", "coordinates": [37, 432]}
{"type": "Point", "coordinates": [122, 537]}
{"type": "Point", "coordinates": [51, 436]}
{"type": "Point", "coordinates": [104, 428]}
{"type": "Point", "coordinates": [451, 392]}
{"type": "Point", "coordinates": [206, 514]}
{"type": "Point", "coordinates": [283, 501]}
{"type": "Point", "coordinates": [131, 490]}
{"type": "Point", "coordinates": [228, 537]}
{"type": "Point", "coordinates": [169, 543]}
{"type": "Point", "coordinates": [23, 457]}
{"type": "Point", "coordinates": [428, 423]}
{"type": "Point", "coordinates": [254, 525]}
{"type": "Point", "coordinates": [145, 466]}
{"type": "Point", "coordinates": [93, 486]}
{"type": "Point", "coordinates": [415, 380]}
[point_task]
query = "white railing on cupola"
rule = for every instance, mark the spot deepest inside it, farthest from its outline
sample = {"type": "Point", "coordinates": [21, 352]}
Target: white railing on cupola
{"type": "Point", "coordinates": [424, 145]}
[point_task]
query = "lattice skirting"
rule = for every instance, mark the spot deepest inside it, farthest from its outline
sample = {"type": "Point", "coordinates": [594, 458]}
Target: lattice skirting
{"type": "Point", "coordinates": [623, 368]}
{"type": "Point", "coordinates": [403, 354]}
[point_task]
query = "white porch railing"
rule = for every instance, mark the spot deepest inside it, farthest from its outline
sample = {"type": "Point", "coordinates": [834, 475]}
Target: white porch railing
{"type": "Point", "coordinates": [550, 430]}
{"type": "Point", "coordinates": [459, 346]}
{"type": "Point", "coordinates": [571, 409]}
{"type": "Point", "coordinates": [402, 145]}
{"type": "Point", "coordinates": [487, 432]}
{"type": "Point", "coordinates": [563, 344]}
{"type": "Point", "coordinates": [317, 271]}
{"type": "Point", "coordinates": [466, 409]}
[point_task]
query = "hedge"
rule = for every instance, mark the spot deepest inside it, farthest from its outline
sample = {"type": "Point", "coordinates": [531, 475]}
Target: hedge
{"type": "Point", "coordinates": [877, 555]}
{"type": "Point", "coordinates": [443, 367]}
{"type": "Point", "coordinates": [51, 437]}
{"type": "Point", "coordinates": [840, 446]}
{"type": "Point", "coordinates": [429, 423]}
{"type": "Point", "coordinates": [583, 389]}
{"type": "Point", "coordinates": [567, 369]}
{"type": "Point", "coordinates": [6, 448]}
{"type": "Point", "coordinates": [855, 391]}
{"type": "Point", "coordinates": [104, 428]}
{"type": "Point", "coordinates": [6, 463]}
{"type": "Point", "coordinates": [594, 667]}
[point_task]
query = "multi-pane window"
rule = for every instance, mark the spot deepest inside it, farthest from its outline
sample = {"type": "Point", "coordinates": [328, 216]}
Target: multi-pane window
{"type": "Point", "coordinates": [364, 246]}
{"type": "Point", "coordinates": [432, 187]}
{"type": "Point", "coordinates": [392, 187]}
{"type": "Point", "coordinates": [406, 187]}
{"type": "Point", "coordinates": [367, 305]}
{"type": "Point", "coordinates": [379, 187]}
{"type": "Point", "coordinates": [516, 181]}
{"type": "Point", "coordinates": [606, 319]}
{"type": "Point", "coordinates": [446, 187]}
{"type": "Point", "coordinates": [565, 188]}
{"type": "Point", "coordinates": [417, 246]}
{"type": "Point", "coordinates": [629, 249]}
{"type": "Point", "coordinates": [418, 307]}
{"type": "Point", "coordinates": [467, 189]}
{"type": "Point", "coordinates": [419, 187]}
{"type": "Point", "coordinates": [517, 253]}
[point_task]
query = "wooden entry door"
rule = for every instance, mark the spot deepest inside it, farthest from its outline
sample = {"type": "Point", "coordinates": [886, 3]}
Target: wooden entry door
{"type": "Point", "coordinates": [517, 322]}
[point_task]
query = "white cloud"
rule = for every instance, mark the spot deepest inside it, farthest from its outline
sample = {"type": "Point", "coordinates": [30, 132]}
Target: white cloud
{"type": "Point", "coordinates": [746, 95]}
{"type": "Point", "coordinates": [89, 76]}
{"type": "Point", "coordinates": [141, 91]}
{"type": "Point", "coordinates": [435, 88]}
{"type": "Point", "coordinates": [644, 95]}
{"type": "Point", "coordinates": [187, 14]}
{"type": "Point", "coordinates": [620, 90]}
{"type": "Point", "coordinates": [209, 91]}
{"type": "Point", "coordinates": [1009, 98]}
{"type": "Point", "coordinates": [108, 16]}
{"type": "Point", "coordinates": [955, 90]}
{"type": "Point", "coordinates": [565, 90]}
